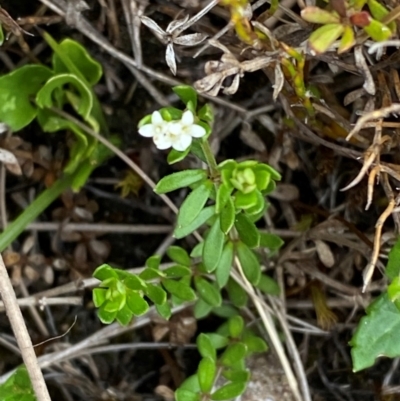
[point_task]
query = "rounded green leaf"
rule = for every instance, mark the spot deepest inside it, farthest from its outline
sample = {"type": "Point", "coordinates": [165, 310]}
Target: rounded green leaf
{"type": "Point", "coordinates": [201, 309]}
{"type": "Point", "coordinates": [106, 317]}
{"type": "Point", "coordinates": [234, 353]}
{"type": "Point", "coordinates": [348, 40]}
{"type": "Point", "coordinates": [204, 215]}
{"type": "Point", "coordinates": [206, 374]}
{"type": "Point", "coordinates": [227, 216]}
{"type": "Point", "coordinates": [213, 246]}
{"type": "Point", "coordinates": [177, 271]}
{"type": "Point", "coordinates": [246, 201]}
{"type": "Point", "coordinates": [223, 194]}
{"type": "Point", "coordinates": [186, 395]}
{"type": "Point", "coordinates": [229, 391]}
{"type": "Point", "coordinates": [268, 285]}
{"type": "Point", "coordinates": [178, 255]}
{"type": "Point", "coordinates": [236, 375]}
{"type": "Point", "coordinates": [236, 326]}
{"type": "Point", "coordinates": [206, 347]}
{"type": "Point", "coordinates": [153, 262]}
{"type": "Point", "coordinates": [180, 179]}
{"type": "Point", "coordinates": [378, 31]}
{"type": "Point", "coordinates": [99, 297]}
{"type": "Point", "coordinates": [325, 36]}
{"type": "Point", "coordinates": [136, 303]}
{"type": "Point", "coordinates": [156, 293]}
{"type": "Point", "coordinates": [164, 310]}
{"type": "Point", "coordinates": [179, 289]}
{"type": "Point", "coordinates": [16, 91]}
{"type": "Point", "coordinates": [149, 274]}
{"type": "Point", "coordinates": [255, 344]}
{"type": "Point", "coordinates": [124, 316]}
{"type": "Point", "coordinates": [197, 251]}
{"type": "Point", "coordinates": [187, 94]}
{"type": "Point", "coordinates": [249, 261]}
{"type": "Point", "coordinates": [207, 291]}
{"type": "Point", "coordinates": [223, 269]}
{"type": "Point", "coordinates": [194, 203]}
{"type": "Point", "coordinates": [105, 272]}
{"type": "Point", "coordinates": [134, 282]}
{"type": "Point", "coordinates": [236, 294]}
{"type": "Point", "coordinates": [271, 241]}
{"type": "Point", "coordinates": [247, 230]}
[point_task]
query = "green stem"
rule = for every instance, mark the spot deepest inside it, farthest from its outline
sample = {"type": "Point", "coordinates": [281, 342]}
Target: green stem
{"type": "Point", "coordinates": [34, 210]}
{"type": "Point", "coordinates": [212, 163]}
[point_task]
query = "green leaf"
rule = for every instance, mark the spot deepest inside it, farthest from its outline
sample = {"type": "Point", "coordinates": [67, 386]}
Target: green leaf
{"type": "Point", "coordinates": [376, 334]}
{"type": "Point", "coordinates": [246, 201]}
{"type": "Point", "coordinates": [180, 290]}
{"type": "Point", "coordinates": [16, 92]}
{"type": "Point", "coordinates": [124, 316]}
{"type": "Point", "coordinates": [223, 195]}
{"type": "Point", "coordinates": [378, 31]}
{"type": "Point", "coordinates": [268, 285]}
{"type": "Point", "coordinates": [247, 230]}
{"type": "Point", "coordinates": [180, 179]}
{"type": "Point", "coordinates": [325, 36]}
{"type": "Point", "coordinates": [218, 341]}
{"type": "Point", "coordinates": [89, 68]}
{"type": "Point", "coordinates": [136, 303]}
{"type": "Point", "coordinates": [186, 94]}
{"type": "Point", "coordinates": [164, 310]}
{"type": "Point", "coordinates": [393, 290]}
{"type": "Point", "coordinates": [153, 262]}
{"type": "Point", "coordinates": [133, 282]}
{"type": "Point", "coordinates": [149, 274]}
{"type": "Point", "coordinates": [204, 215]}
{"type": "Point", "coordinates": [236, 326]}
{"type": "Point", "coordinates": [393, 263]}
{"type": "Point", "coordinates": [228, 216]}
{"type": "Point", "coordinates": [236, 375]}
{"type": "Point", "coordinates": [271, 241]}
{"type": "Point", "coordinates": [194, 203]}
{"type": "Point", "coordinates": [206, 113]}
{"type": "Point", "coordinates": [201, 309]}
{"type": "Point", "coordinates": [177, 271]}
{"type": "Point", "coordinates": [1, 35]}
{"type": "Point", "coordinates": [106, 317]}
{"type": "Point", "coordinates": [233, 354]}
{"type": "Point", "coordinates": [377, 9]}
{"type": "Point", "coordinates": [99, 297]}
{"type": "Point", "coordinates": [104, 272]}
{"type": "Point", "coordinates": [229, 391]}
{"type": "Point", "coordinates": [206, 374]}
{"type": "Point", "coordinates": [156, 293]}
{"type": "Point", "coordinates": [197, 250]}
{"type": "Point", "coordinates": [197, 150]}
{"type": "Point", "coordinates": [249, 261]}
{"type": "Point", "coordinates": [206, 347]}
{"type": "Point", "coordinates": [223, 269]}
{"type": "Point", "coordinates": [213, 246]}
{"type": "Point", "coordinates": [317, 15]}
{"type": "Point", "coordinates": [254, 344]}
{"type": "Point", "coordinates": [225, 311]}
{"type": "Point", "coordinates": [348, 40]}
{"type": "Point", "coordinates": [186, 395]}
{"type": "Point", "coordinates": [191, 384]}
{"type": "Point", "coordinates": [178, 255]}
{"type": "Point", "coordinates": [207, 291]}
{"type": "Point", "coordinates": [175, 156]}
{"type": "Point", "coordinates": [236, 293]}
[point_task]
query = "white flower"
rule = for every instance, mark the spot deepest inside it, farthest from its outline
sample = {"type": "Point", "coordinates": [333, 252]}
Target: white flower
{"type": "Point", "coordinates": [176, 134]}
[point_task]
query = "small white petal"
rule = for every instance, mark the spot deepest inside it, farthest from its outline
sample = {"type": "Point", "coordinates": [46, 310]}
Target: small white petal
{"type": "Point", "coordinates": [175, 127]}
{"type": "Point", "coordinates": [182, 142]}
{"type": "Point", "coordinates": [147, 130]}
{"type": "Point", "coordinates": [162, 141]}
{"type": "Point", "coordinates": [196, 131]}
{"type": "Point", "coordinates": [170, 58]}
{"type": "Point", "coordinates": [156, 118]}
{"type": "Point", "coordinates": [187, 118]}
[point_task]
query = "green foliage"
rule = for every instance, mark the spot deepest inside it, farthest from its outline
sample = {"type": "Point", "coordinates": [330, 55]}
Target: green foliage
{"type": "Point", "coordinates": [18, 387]}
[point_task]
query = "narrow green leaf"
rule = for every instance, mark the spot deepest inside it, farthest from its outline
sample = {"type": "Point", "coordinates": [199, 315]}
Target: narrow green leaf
{"type": "Point", "coordinates": [194, 203]}
{"type": "Point", "coordinates": [206, 374]}
{"type": "Point", "coordinates": [177, 271]}
{"type": "Point", "coordinates": [156, 293]}
{"type": "Point", "coordinates": [153, 262]}
{"type": "Point", "coordinates": [186, 395]}
{"type": "Point", "coordinates": [180, 179]}
{"type": "Point", "coordinates": [178, 255]}
{"type": "Point", "coordinates": [325, 36]}
{"type": "Point", "coordinates": [393, 263]}
{"type": "Point", "coordinates": [164, 310]}
{"type": "Point", "coordinates": [228, 216]}
{"type": "Point", "coordinates": [378, 31]}
{"type": "Point", "coordinates": [136, 303]}
{"type": "Point", "coordinates": [224, 265]}
{"type": "Point", "coordinates": [249, 261]}
{"type": "Point", "coordinates": [201, 309]}
{"type": "Point", "coordinates": [186, 94]}
{"type": "Point", "coordinates": [236, 293]}
{"type": "Point", "coordinates": [197, 251]}
{"type": "Point", "coordinates": [175, 156]}
{"type": "Point", "coordinates": [1, 35]}
{"type": "Point", "coordinates": [233, 354]}
{"type": "Point", "coordinates": [206, 347]}
{"type": "Point", "coordinates": [204, 215]}
{"type": "Point", "coordinates": [223, 194]}
{"type": "Point", "coordinates": [268, 285]}
{"type": "Point", "coordinates": [255, 344]}
{"type": "Point", "coordinates": [271, 241]}
{"type": "Point", "coordinates": [376, 334]}
{"type": "Point", "coordinates": [124, 316]}
{"type": "Point", "coordinates": [317, 15]}
{"type": "Point", "coordinates": [149, 274]}
{"type": "Point", "coordinates": [236, 326]}
{"type": "Point", "coordinates": [247, 230]}
{"type": "Point", "coordinates": [207, 291]}
{"type": "Point", "coordinates": [236, 375]}
{"type": "Point", "coordinates": [213, 246]}
{"type": "Point", "coordinates": [229, 391]}
{"type": "Point", "coordinates": [179, 289]}
{"type": "Point", "coordinates": [206, 113]}
{"type": "Point", "coordinates": [99, 297]}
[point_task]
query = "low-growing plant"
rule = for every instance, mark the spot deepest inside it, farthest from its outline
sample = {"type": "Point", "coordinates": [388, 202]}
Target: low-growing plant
{"type": "Point", "coordinates": [225, 201]}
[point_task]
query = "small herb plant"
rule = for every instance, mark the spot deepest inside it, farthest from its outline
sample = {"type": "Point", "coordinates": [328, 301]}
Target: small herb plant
{"type": "Point", "coordinates": [224, 202]}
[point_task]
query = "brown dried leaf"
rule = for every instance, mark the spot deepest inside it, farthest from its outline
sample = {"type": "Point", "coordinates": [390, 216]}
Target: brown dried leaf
{"type": "Point", "coordinates": [324, 253]}
{"type": "Point", "coordinates": [10, 161]}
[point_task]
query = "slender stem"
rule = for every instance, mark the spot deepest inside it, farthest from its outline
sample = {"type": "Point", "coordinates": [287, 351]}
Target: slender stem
{"type": "Point", "coordinates": [21, 334]}
{"type": "Point", "coordinates": [212, 163]}
{"type": "Point", "coordinates": [15, 228]}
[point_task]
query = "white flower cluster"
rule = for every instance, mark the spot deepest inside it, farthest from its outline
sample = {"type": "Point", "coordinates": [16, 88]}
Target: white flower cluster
{"type": "Point", "coordinates": [177, 134]}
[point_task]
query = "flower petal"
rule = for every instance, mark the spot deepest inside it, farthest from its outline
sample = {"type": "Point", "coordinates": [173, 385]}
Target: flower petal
{"type": "Point", "coordinates": [156, 118]}
{"type": "Point", "coordinates": [196, 131]}
{"type": "Point", "coordinates": [182, 142]}
{"type": "Point", "coordinates": [162, 141]}
{"type": "Point", "coordinates": [187, 118]}
{"type": "Point", "coordinates": [147, 130]}
{"type": "Point", "coordinates": [175, 128]}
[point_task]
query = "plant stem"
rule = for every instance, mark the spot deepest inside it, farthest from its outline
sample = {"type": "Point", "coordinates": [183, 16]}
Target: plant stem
{"type": "Point", "coordinates": [212, 163]}
{"type": "Point", "coordinates": [21, 334]}
{"type": "Point", "coordinates": [34, 210]}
